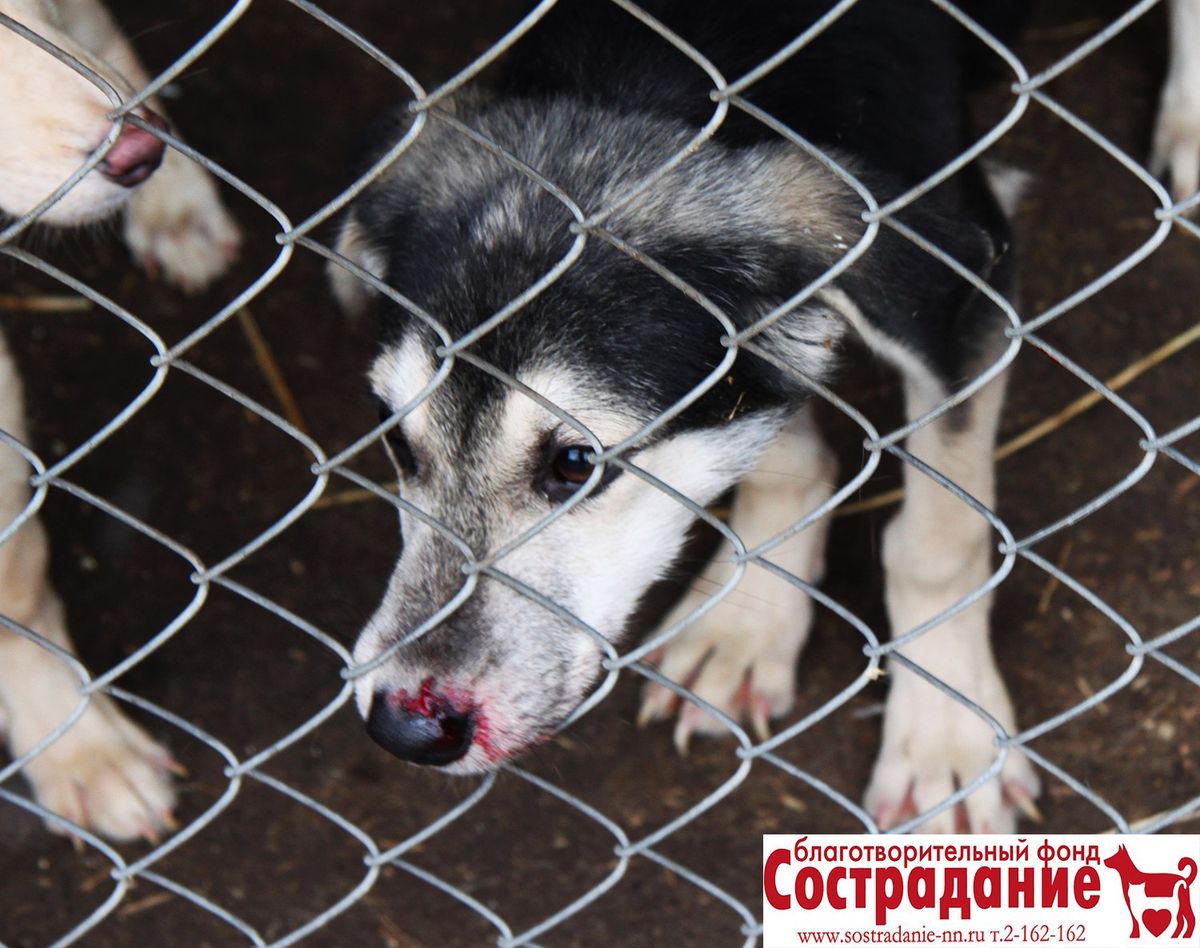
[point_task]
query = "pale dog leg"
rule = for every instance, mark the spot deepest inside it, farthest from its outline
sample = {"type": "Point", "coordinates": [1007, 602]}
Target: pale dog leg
{"type": "Point", "coordinates": [743, 652]}
{"type": "Point", "coordinates": [175, 222]}
{"type": "Point", "coordinates": [1177, 130]}
{"type": "Point", "coordinates": [104, 772]}
{"type": "Point", "coordinates": [936, 551]}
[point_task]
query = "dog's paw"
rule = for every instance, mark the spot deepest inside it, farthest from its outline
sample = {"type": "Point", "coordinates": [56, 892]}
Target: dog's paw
{"type": "Point", "coordinates": [1176, 152]}
{"type": "Point", "coordinates": [740, 657]}
{"type": "Point", "coordinates": [176, 225]}
{"type": "Point", "coordinates": [106, 775]}
{"type": "Point", "coordinates": [932, 746]}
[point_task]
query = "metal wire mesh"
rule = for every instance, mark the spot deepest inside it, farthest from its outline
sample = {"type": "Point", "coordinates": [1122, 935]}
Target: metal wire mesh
{"type": "Point", "coordinates": [330, 465]}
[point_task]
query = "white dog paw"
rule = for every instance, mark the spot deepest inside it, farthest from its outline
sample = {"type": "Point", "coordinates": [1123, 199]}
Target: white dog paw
{"type": "Point", "coordinates": [177, 226]}
{"type": "Point", "coordinates": [932, 746]}
{"type": "Point", "coordinates": [106, 775]}
{"type": "Point", "coordinates": [1176, 153]}
{"type": "Point", "coordinates": [1176, 150]}
{"type": "Point", "coordinates": [738, 658]}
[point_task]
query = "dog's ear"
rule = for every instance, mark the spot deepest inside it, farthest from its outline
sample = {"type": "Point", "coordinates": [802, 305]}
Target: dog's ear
{"type": "Point", "coordinates": [357, 236]}
{"type": "Point", "coordinates": [751, 228]}
{"type": "Point", "coordinates": [918, 312]}
{"type": "Point", "coordinates": [350, 290]}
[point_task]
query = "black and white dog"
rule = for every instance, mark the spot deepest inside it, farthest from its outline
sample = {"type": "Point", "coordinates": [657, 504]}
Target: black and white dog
{"type": "Point", "coordinates": [495, 441]}
{"type": "Point", "coordinates": [595, 101]}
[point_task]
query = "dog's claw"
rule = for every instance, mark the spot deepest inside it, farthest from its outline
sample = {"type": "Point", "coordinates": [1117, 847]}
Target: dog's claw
{"type": "Point", "coordinates": [760, 721]}
{"type": "Point", "coordinates": [691, 719]}
{"type": "Point", "coordinates": [167, 820]}
{"type": "Point", "coordinates": [882, 815]}
{"type": "Point", "coordinates": [657, 702]}
{"type": "Point", "coordinates": [148, 833]}
{"type": "Point", "coordinates": [683, 735]}
{"type": "Point", "coordinates": [168, 763]}
{"type": "Point", "coordinates": [1020, 797]}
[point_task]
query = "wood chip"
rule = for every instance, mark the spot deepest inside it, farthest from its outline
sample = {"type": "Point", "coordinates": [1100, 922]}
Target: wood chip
{"type": "Point", "coordinates": [132, 908]}
{"type": "Point", "coordinates": [44, 304]}
{"type": "Point", "coordinates": [268, 365]}
{"type": "Point", "coordinates": [1052, 584]}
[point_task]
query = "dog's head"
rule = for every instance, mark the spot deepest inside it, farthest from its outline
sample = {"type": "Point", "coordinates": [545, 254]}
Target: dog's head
{"type": "Point", "coordinates": [503, 654]}
{"type": "Point", "coordinates": [471, 664]}
{"type": "Point", "coordinates": [52, 117]}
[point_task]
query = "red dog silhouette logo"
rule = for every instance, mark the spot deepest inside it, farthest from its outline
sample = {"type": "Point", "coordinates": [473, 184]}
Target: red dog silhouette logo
{"type": "Point", "coordinates": [1174, 888]}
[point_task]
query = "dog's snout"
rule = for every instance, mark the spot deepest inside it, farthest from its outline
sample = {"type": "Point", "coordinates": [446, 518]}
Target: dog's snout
{"type": "Point", "coordinates": [135, 154]}
{"type": "Point", "coordinates": [424, 729]}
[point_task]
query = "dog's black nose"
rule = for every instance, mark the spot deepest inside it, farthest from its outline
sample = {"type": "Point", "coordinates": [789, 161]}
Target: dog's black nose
{"type": "Point", "coordinates": [423, 730]}
{"type": "Point", "coordinates": [135, 154]}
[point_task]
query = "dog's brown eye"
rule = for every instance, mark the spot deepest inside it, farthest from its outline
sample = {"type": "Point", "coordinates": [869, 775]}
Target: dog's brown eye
{"type": "Point", "coordinates": [568, 469]}
{"type": "Point", "coordinates": [572, 466]}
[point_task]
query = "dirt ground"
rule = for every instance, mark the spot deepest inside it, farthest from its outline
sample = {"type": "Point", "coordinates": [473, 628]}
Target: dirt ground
{"type": "Point", "coordinates": [276, 102]}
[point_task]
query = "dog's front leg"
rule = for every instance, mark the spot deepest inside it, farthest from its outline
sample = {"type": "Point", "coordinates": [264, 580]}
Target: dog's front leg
{"type": "Point", "coordinates": [1177, 129]}
{"type": "Point", "coordinates": [741, 655]}
{"type": "Point", "coordinates": [936, 551]}
{"type": "Point", "coordinates": [175, 222]}
{"type": "Point", "coordinates": [103, 772]}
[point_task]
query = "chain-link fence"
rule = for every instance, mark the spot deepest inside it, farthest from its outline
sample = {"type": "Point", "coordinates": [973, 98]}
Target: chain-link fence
{"type": "Point", "coordinates": [212, 483]}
